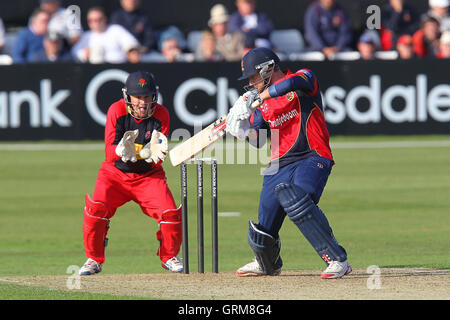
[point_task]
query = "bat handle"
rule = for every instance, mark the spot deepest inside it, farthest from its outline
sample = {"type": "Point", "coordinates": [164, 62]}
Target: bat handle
{"type": "Point", "coordinates": [256, 103]}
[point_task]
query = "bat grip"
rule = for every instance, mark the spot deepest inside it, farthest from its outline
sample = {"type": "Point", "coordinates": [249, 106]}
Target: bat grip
{"type": "Point", "coordinates": [255, 104]}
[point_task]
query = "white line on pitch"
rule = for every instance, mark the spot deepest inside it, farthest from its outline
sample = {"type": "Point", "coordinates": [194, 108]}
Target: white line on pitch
{"type": "Point", "coordinates": [229, 214]}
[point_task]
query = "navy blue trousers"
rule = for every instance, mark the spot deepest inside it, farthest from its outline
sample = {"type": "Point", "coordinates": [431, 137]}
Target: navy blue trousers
{"type": "Point", "coordinates": [310, 174]}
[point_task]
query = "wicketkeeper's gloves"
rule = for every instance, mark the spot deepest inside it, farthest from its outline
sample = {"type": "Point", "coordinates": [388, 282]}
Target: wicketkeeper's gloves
{"type": "Point", "coordinates": [156, 149]}
{"type": "Point", "coordinates": [126, 149]}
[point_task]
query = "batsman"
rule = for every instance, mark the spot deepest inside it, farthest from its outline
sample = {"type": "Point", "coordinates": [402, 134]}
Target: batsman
{"type": "Point", "coordinates": [291, 109]}
{"type": "Point", "coordinates": [135, 147]}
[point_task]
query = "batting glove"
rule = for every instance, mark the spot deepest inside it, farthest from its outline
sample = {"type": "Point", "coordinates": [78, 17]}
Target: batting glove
{"type": "Point", "coordinates": [253, 100]}
{"type": "Point", "coordinates": [238, 128]}
{"type": "Point", "coordinates": [243, 107]}
{"type": "Point", "coordinates": [126, 149]}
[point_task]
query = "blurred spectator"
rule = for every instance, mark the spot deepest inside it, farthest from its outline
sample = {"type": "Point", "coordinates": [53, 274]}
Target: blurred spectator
{"type": "Point", "coordinates": [136, 21]}
{"type": "Point", "coordinates": [53, 50]}
{"type": "Point", "coordinates": [328, 27]}
{"type": "Point", "coordinates": [229, 44]}
{"type": "Point", "coordinates": [172, 32]}
{"type": "Point", "coordinates": [103, 42]}
{"type": "Point", "coordinates": [444, 52]}
{"type": "Point", "coordinates": [256, 26]}
{"type": "Point", "coordinates": [62, 22]}
{"type": "Point", "coordinates": [397, 18]}
{"type": "Point", "coordinates": [426, 39]}
{"type": "Point", "coordinates": [206, 50]}
{"type": "Point", "coordinates": [368, 44]}
{"type": "Point", "coordinates": [171, 50]}
{"type": "Point", "coordinates": [2, 35]}
{"type": "Point", "coordinates": [405, 47]}
{"type": "Point", "coordinates": [439, 9]}
{"type": "Point", "coordinates": [134, 55]}
{"type": "Point", "coordinates": [30, 40]}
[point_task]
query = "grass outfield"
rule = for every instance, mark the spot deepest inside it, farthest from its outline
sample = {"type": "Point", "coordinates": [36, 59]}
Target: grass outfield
{"type": "Point", "coordinates": [387, 206]}
{"type": "Point", "coordinates": [10, 291]}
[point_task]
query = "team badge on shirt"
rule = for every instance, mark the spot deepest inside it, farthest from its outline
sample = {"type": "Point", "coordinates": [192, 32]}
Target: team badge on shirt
{"type": "Point", "coordinates": [290, 95]}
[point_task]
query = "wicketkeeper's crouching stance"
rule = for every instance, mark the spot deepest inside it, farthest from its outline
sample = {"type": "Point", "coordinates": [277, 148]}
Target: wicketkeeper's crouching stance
{"type": "Point", "coordinates": [135, 146]}
{"type": "Point", "coordinates": [301, 161]}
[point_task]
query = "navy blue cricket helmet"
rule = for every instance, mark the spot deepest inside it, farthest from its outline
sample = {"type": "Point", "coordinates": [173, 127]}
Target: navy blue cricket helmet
{"type": "Point", "coordinates": [257, 60]}
{"type": "Point", "coordinates": [140, 83]}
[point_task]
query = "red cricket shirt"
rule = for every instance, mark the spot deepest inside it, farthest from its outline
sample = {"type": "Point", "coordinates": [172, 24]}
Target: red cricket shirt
{"type": "Point", "coordinates": [296, 120]}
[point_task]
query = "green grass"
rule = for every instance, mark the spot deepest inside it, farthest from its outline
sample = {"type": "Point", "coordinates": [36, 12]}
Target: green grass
{"type": "Point", "coordinates": [22, 292]}
{"type": "Point", "coordinates": [387, 207]}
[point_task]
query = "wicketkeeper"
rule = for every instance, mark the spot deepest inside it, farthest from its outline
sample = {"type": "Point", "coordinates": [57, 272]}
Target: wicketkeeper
{"type": "Point", "coordinates": [299, 166]}
{"type": "Point", "coordinates": [135, 146]}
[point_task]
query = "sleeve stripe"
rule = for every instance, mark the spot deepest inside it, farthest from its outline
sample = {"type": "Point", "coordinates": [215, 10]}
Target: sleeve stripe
{"type": "Point", "coordinates": [303, 76]}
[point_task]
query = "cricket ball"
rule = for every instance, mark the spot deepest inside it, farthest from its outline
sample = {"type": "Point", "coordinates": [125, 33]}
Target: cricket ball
{"type": "Point", "coordinates": [144, 153]}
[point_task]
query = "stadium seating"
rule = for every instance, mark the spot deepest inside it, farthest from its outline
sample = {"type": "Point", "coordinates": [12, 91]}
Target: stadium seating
{"type": "Point", "coordinates": [193, 39]}
{"type": "Point", "coordinates": [386, 55]}
{"type": "Point", "coordinates": [5, 54]}
{"type": "Point", "coordinates": [346, 55]}
{"type": "Point", "coordinates": [153, 56]}
{"type": "Point", "coordinates": [307, 56]}
{"type": "Point", "coordinates": [5, 59]}
{"type": "Point", "coordinates": [287, 41]}
{"type": "Point", "coordinates": [10, 38]}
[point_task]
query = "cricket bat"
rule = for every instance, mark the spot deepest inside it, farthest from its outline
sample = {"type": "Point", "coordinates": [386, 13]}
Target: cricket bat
{"type": "Point", "coordinates": [200, 141]}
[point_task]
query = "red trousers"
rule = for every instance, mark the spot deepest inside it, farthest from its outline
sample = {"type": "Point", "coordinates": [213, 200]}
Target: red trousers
{"type": "Point", "coordinates": [150, 191]}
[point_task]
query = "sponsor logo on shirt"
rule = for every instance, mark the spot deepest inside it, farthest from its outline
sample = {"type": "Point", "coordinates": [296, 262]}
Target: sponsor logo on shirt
{"type": "Point", "coordinates": [283, 118]}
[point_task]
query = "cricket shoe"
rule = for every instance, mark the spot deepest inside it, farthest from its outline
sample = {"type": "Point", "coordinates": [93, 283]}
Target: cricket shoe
{"type": "Point", "coordinates": [253, 269]}
{"type": "Point", "coordinates": [173, 265]}
{"type": "Point", "coordinates": [336, 270]}
{"type": "Point", "coordinates": [90, 267]}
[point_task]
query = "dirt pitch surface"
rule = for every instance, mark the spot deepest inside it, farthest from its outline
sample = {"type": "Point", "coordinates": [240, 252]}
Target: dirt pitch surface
{"type": "Point", "coordinates": [389, 284]}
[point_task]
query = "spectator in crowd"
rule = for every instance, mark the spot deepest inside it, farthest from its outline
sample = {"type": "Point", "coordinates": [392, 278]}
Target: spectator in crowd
{"type": "Point", "coordinates": [229, 44]}
{"type": "Point", "coordinates": [30, 40]}
{"type": "Point", "coordinates": [172, 32]}
{"type": "Point", "coordinates": [397, 18]}
{"type": "Point", "coordinates": [53, 50]}
{"type": "Point", "coordinates": [439, 9]}
{"type": "Point", "coordinates": [134, 55]}
{"type": "Point", "coordinates": [426, 39]}
{"type": "Point", "coordinates": [328, 27]}
{"type": "Point", "coordinates": [405, 47]}
{"type": "Point", "coordinates": [367, 45]}
{"type": "Point", "coordinates": [63, 22]}
{"type": "Point", "coordinates": [444, 52]}
{"type": "Point", "coordinates": [136, 21]}
{"type": "Point", "coordinates": [256, 26]}
{"type": "Point", "coordinates": [171, 50]}
{"type": "Point", "coordinates": [206, 49]}
{"type": "Point", "coordinates": [103, 42]}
